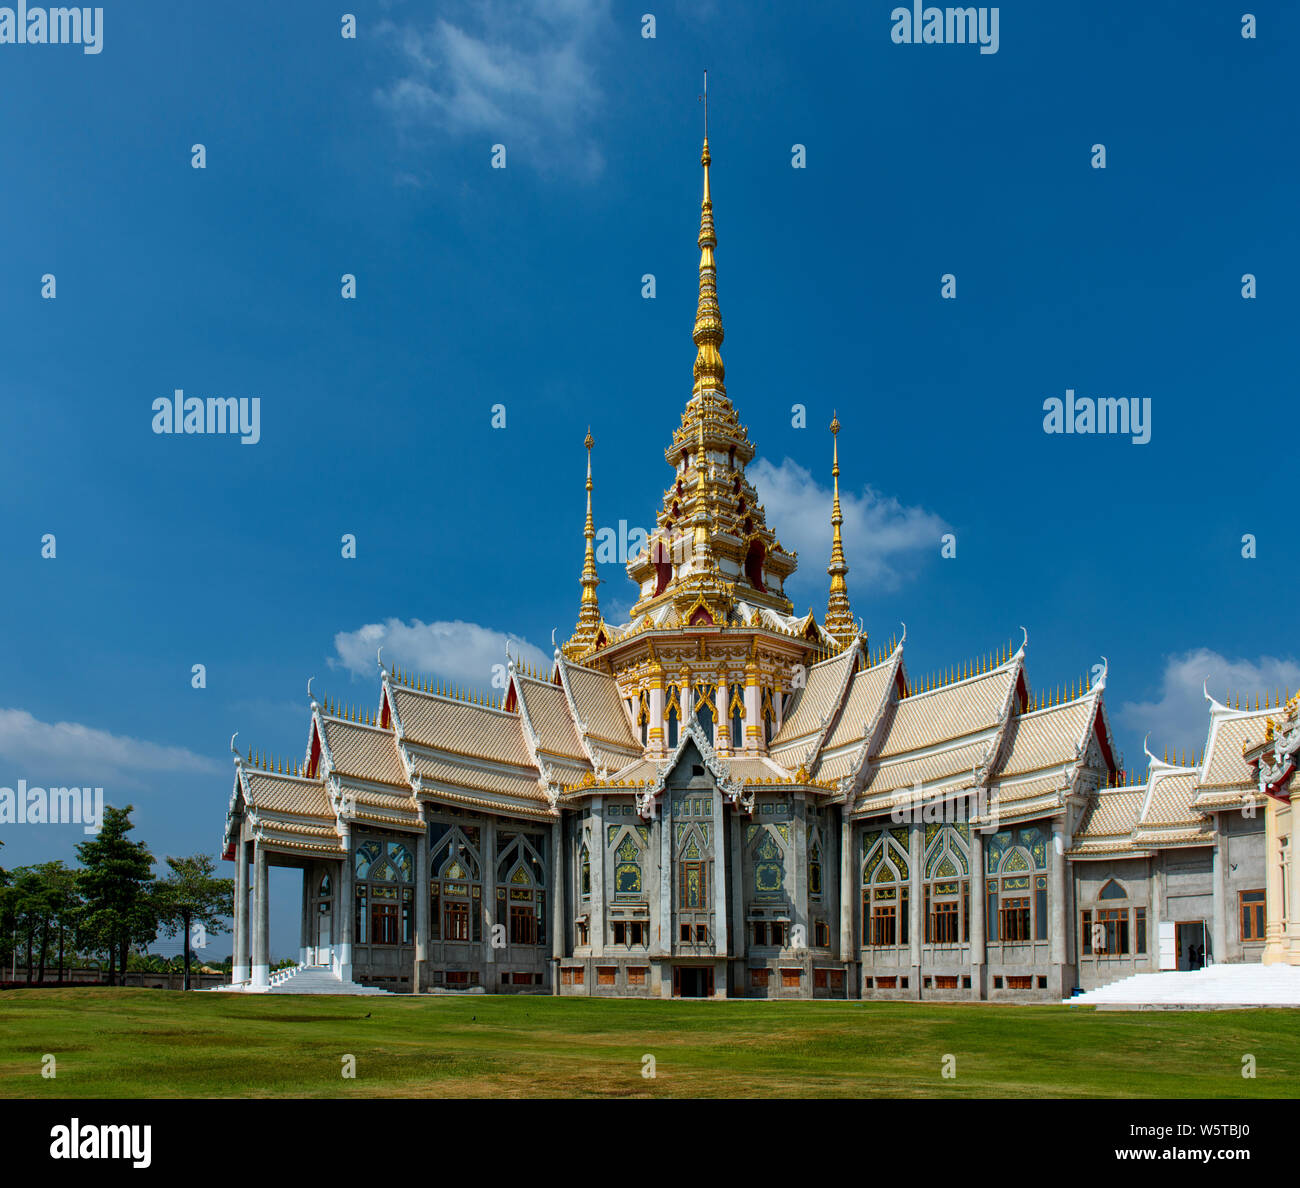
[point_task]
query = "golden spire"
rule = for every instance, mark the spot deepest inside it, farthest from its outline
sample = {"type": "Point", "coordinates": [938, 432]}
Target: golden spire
{"type": "Point", "coordinates": [708, 317]}
{"type": "Point", "coordinates": [839, 615]}
{"type": "Point", "coordinates": [587, 631]}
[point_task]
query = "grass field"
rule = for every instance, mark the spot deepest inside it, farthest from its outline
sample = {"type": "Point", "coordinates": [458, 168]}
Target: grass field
{"type": "Point", "coordinates": [156, 1043]}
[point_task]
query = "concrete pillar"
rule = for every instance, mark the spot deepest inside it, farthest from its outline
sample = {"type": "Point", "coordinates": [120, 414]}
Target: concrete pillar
{"type": "Point", "coordinates": [1156, 913]}
{"type": "Point", "coordinates": [304, 916]}
{"type": "Point", "coordinates": [1274, 947]}
{"type": "Point", "coordinates": [596, 932]}
{"type": "Point", "coordinates": [739, 937]}
{"type": "Point", "coordinates": [1056, 863]}
{"type": "Point", "coordinates": [665, 929]}
{"type": "Point", "coordinates": [978, 928]}
{"type": "Point", "coordinates": [558, 868]}
{"type": "Point", "coordinates": [799, 870]}
{"type": "Point", "coordinates": [421, 893]}
{"type": "Point", "coordinates": [754, 740]}
{"type": "Point", "coordinates": [346, 907]}
{"type": "Point", "coordinates": [1293, 889]}
{"type": "Point", "coordinates": [240, 971]}
{"type": "Point", "coordinates": [722, 725]}
{"type": "Point", "coordinates": [916, 904]}
{"type": "Point", "coordinates": [488, 871]}
{"type": "Point", "coordinates": [848, 887]}
{"type": "Point", "coordinates": [1219, 901]}
{"type": "Point", "coordinates": [261, 918]}
{"type": "Point", "coordinates": [720, 923]}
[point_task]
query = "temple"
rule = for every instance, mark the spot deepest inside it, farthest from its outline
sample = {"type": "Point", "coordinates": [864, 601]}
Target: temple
{"type": "Point", "coordinates": [723, 798]}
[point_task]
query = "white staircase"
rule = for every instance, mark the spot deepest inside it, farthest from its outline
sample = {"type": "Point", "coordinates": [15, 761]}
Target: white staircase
{"type": "Point", "coordinates": [1247, 985]}
{"type": "Point", "coordinates": [304, 979]}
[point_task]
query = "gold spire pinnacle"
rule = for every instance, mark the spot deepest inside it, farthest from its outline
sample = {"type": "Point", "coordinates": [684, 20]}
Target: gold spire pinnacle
{"type": "Point", "coordinates": [708, 332]}
{"type": "Point", "coordinates": [839, 615]}
{"type": "Point", "coordinates": [587, 631]}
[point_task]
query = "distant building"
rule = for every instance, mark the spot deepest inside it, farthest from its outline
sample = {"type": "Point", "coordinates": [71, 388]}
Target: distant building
{"type": "Point", "coordinates": [720, 797]}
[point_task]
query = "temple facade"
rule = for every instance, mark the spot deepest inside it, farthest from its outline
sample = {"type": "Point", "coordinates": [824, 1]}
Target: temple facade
{"type": "Point", "coordinates": [722, 798]}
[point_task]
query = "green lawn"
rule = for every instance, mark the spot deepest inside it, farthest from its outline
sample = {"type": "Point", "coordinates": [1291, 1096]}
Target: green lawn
{"type": "Point", "coordinates": [156, 1043]}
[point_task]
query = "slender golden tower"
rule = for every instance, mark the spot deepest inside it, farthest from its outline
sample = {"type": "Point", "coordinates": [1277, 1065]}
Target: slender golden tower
{"type": "Point", "coordinates": [708, 317]}
{"type": "Point", "coordinates": [587, 632]}
{"type": "Point", "coordinates": [839, 615]}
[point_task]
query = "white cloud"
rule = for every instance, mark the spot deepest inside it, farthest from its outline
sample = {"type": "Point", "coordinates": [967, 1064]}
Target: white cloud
{"type": "Point", "coordinates": [52, 751]}
{"type": "Point", "coordinates": [455, 651]}
{"type": "Point", "coordinates": [884, 540]}
{"type": "Point", "coordinates": [520, 72]}
{"type": "Point", "coordinates": [1179, 717]}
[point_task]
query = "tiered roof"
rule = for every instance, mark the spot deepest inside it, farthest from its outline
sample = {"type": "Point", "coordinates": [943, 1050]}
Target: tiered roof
{"type": "Point", "coordinates": [1174, 806]}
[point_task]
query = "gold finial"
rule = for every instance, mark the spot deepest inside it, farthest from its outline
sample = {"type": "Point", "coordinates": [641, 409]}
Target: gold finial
{"type": "Point", "coordinates": [587, 631]}
{"type": "Point", "coordinates": [839, 615]}
{"type": "Point", "coordinates": [708, 333]}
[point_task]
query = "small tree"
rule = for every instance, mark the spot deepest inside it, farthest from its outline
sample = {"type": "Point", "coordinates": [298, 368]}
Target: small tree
{"type": "Point", "coordinates": [116, 883]}
{"type": "Point", "coordinates": [190, 895]}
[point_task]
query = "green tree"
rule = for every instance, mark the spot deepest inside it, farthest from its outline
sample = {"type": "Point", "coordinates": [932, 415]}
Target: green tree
{"type": "Point", "coordinates": [190, 897]}
{"type": "Point", "coordinates": [116, 884]}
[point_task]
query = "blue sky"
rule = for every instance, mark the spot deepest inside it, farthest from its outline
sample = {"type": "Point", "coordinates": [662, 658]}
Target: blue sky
{"type": "Point", "coordinates": [522, 286]}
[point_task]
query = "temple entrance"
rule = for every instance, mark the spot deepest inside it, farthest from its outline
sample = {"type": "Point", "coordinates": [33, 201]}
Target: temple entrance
{"type": "Point", "coordinates": [1191, 944]}
{"type": "Point", "coordinates": [692, 981]}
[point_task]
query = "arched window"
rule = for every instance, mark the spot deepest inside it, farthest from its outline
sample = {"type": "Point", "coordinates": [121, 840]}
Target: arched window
{"type": "Point", "coordinates": [384, 896]}
{"type": "Point", "coordinates": [456, 889]}
{"type": "Point", "coordinates": [643, 716]}
{"type": "Point", "coordinates": [704, 708]}
{"type": "Point", "coordinates": [769, 715]}
{"type": "Point", "coordinates": [815, 871]}
{"type": "Point", "coordinates": [736, 711]}
{"type": "Point", "coordinates": [672, 715]}
{"type": "Point", "coordinates": [521, 894]}
{"type": "Point", "coordinates": [947, 884]}
{"type": "Point", "coordinates": [754, 562]}
{"type": "Point", "coordinates": [1112, 890]}
{"type": "Point", "coordinates": [584, 871]}
{"type": "Point", "coordinates": [1017, 884]}
{"type": "Point", "coordinates": [885, 888]}
{"type": "Point", "coordinates": [627, 869]}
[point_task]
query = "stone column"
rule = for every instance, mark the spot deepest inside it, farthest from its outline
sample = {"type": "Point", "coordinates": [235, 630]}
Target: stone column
{"type": "Point", "coordinates": [665, 928]}
{"type": "Point", "coordinates": [240, 971]}
{"type": "Point", "coordinates": [754, 740]}
{"type": "Point", "coordinates": [655, 732]}
{"type": "Point", "coordinates": [1219, 893]}
{"type": "Point", "coordinates": [799, 871]}
{"type": "Point", "coordinates": [304, 916]}
{"type": "Point", "coordinates": [488, 873]}
{"type": "Point", "coordinates": [978, 940]}
{"type": "Point", "coordinates": [558, 868]}
{"type": "Point", "coordinates": [848, 886]}
{"type": "Point", "coordinates": [596, 932]}
{"type": "Point", "coordinates": [421, 893]}
{"type": "Point", "coordinates": [1156, 914]}
{"type": "Point", "coordinates": [1293, 891]}
{"type": "Point", "coordinates": [1274, 947]}
{"type": "Point", "coordinates": [739, 937]}
{"type": "Point", "coordinates": [345, 905]}
{"type": "Point", "coordinates": [720, 924]}
{"type": "Point", "coordinates": [722, 718]}
{"type": "Point", "coordinates": [1056, 862]}
{"type": "Point", "coordinates": [261, 918]}
{"type": "Point", "coordinates": [686, 698]}
{"type": "Point", "coordinates": [916, 904]}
